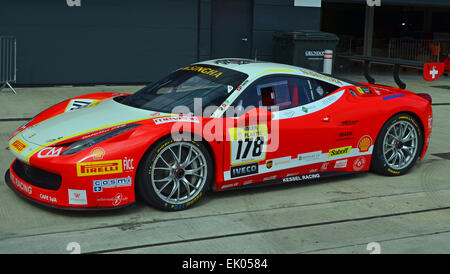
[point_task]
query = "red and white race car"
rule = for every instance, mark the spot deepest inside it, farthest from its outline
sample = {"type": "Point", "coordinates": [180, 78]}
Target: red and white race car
{"type": "Point", "coordinates": [220, 125]}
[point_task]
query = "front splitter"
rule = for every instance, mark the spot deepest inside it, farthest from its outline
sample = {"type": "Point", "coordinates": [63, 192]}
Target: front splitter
{"type": "Point", "coordinates": [9, 183]}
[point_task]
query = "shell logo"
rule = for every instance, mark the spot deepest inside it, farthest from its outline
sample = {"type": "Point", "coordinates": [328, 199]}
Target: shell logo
{"type": "Point", "coordinates": [364, 143]}
{"type": "Point", "coordinates": [98, 153]}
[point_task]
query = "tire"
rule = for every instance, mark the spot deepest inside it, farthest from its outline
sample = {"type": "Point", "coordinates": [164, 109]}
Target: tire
{"type": "Point", "coordinates": [174, 175]}
{"type": "Point", "coordinates": [398, 146]}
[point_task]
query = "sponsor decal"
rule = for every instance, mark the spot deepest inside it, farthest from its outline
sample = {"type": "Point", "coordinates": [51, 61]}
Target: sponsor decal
{"type": "Point", "coordinates": [128, 164]}
{"type": "Point", "coordinates": [244, 170]}
{"type": "Point", "coordinates": [98, 153]}
{"type": "Point", "coordinates": [364, 143]}
{"type": "Point", "coordinates": [339, 151]}
{"type": "Point", "coordinates": [393, 96]}
{"type": "Point", "coordinates": [76, 104]}
{"type": "Point", "coordinates": [301, 178]}
{"type": "Point", "coordinates": [20, 185]}
{"type": "Point", "coordinates": [99, 168]}
{"type": "Point", "coordinates": [99, 185]}
{"type": "Point", "coordinates": [248, 132]}
{"type": "Point", "coordinates": [18, 146]}
{"type": "Point", "coordinates": [310, 157]}
{"type": "Point", "coordinates": [47, 198]}
{"type": "Point", "coordinates": [282, 161]}
{"type": "Point", "coordinates": [49, 152]}
{"type": "Point", "coordinates": [430, 123]}
{"type": "Point", "coordinates": [174, 119]}
{"type": "Point", "coordinates": [363, 90]}
{"type": "Point", "coordinates": [248, 144]}
{"type": "Point", "coordinates": [101, 131]}
{"type": "Point", "coordinates": [359, 163]}
{"type": "Point", "coordinates": [270, 178]}
{"type": "Point", "coordinates": [269, 164]}
{"type": "Point", "coordinates": [320, 76]}
{"type": "Point", "coordinates": [341, 164]}
{"type": "Point", "coordinates": [324, 166]}
{"type": "Point", "coordinates": [230, 185]}
{"type": "Point", "coordinates": [116, 200]}
{"type": "Point", "coordinates": [204, 70]}
{"type": "Point", "coordinates": [77, 197]}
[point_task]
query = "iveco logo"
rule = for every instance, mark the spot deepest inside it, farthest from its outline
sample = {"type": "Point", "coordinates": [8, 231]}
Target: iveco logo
{"type": "Point", "coordinates": [244, 170]}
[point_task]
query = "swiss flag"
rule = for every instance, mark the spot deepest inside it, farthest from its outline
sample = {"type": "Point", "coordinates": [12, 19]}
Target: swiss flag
{"type": "Point", "coordinates": [433, 71]}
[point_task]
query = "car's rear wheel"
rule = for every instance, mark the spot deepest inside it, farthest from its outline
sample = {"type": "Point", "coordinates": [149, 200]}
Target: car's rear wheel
{"type": "Point", "coordinates": [398, 145]}
{"type": "Point", "coordinates": [175, 174]}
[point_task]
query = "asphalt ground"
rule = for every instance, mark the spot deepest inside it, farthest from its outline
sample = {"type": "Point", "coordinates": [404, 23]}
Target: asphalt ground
{"type": "Point", "coordinates": [359, 213]}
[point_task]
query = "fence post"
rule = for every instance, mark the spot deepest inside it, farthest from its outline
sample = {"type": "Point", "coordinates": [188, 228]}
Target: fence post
{"type": "Point", "coordinates": [328, 61]}
{"type": "Point", "coordinates": [8, 59]}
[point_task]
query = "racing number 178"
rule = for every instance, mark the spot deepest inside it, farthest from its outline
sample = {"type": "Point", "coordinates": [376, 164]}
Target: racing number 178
{"type": "Point", "coordinates": [255, 145]}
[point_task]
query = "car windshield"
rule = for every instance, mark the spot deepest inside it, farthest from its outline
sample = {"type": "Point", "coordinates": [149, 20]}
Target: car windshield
{"type": "Point", "coordinates": [210, 83]}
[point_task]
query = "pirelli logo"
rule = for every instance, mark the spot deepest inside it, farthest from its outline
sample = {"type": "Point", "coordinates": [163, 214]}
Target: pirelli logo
{"type": "Point", "coordinates": [99, 168]}
{"type": "Point", "coordinates": [18, 146]}
{"type": "Point", "coordinates": [339, 151]}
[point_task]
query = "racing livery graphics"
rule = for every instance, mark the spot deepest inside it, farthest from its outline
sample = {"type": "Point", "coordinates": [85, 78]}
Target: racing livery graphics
{"type": "Point", "coordinates": [212, 126]}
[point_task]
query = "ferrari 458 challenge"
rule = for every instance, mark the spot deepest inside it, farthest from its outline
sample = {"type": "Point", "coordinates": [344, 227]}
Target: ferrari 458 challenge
{"type": "Point", "coordinates": [214, 125]}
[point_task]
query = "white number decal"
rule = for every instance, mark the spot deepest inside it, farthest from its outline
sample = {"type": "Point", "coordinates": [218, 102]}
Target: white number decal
{"type": "Point", "coordinates": [74, 247]}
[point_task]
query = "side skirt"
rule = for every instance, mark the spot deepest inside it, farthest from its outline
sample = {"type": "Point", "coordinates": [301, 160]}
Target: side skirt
{"type": "Point", "coordinates": [305, 178]}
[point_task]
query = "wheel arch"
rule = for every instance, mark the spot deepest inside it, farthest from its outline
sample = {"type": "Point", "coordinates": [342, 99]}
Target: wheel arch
{"type": "Point", "coordinates": [169, 135]}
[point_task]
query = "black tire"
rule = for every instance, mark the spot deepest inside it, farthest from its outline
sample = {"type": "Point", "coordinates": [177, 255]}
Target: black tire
{"type": "Point", "coordinates": [156, 172]}
{"type": "Point", "coordinates": [389, 151]}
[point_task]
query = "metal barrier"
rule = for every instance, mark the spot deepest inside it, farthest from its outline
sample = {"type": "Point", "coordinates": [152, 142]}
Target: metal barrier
{"type": "Point", "coordinates": [428, 51]}
{"type": "Point", "coordinates": [8, 53]}
{"type": "Point", "coordinates": [396, 63]}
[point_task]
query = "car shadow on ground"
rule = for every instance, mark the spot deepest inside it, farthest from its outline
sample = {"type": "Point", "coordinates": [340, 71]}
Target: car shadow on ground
{"type": "Point", "coordinates": [211, 196]}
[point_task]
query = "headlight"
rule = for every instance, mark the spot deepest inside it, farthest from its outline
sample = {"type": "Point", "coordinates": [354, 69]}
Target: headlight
{"type": "Point", "coordinates": [84, 144]}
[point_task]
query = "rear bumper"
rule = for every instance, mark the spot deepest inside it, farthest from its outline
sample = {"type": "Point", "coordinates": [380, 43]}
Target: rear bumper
{"type": "Point", "coordinates": [55, 195]}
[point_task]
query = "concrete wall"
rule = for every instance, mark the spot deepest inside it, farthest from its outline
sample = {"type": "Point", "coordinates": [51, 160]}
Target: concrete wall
{"type": "Point", "coordinates": [138, 41]}
{"type": "Point", "coordinates": [270, 16]}
{"type": "Point", "coordinates": [409, 3]}
{"type": "Point", "coordinates": [103, 41]}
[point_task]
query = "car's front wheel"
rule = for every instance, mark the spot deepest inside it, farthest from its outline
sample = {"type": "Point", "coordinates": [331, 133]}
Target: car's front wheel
{"type": "Point", "coordinates": [398, 145]}
{"type": "Point", "coordinates": [175, 174]}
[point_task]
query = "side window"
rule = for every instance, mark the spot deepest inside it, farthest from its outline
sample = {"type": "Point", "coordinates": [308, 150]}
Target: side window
{"type": "Point", "coordinates": [281, 92]}
{"type": "Point", "coordinates": [319, 89]}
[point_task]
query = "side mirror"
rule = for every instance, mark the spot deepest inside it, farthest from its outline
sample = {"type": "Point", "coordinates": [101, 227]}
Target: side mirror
{"type": "Point", "coordinates": [255, 116]}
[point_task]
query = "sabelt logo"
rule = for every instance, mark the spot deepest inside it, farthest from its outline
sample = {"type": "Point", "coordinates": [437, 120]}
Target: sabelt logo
{"type": "Point", "coordinates": [339, 151]}
{"type": "Point", "coordinates": [19, 146]}
{"type": "Point", "coordinates": [99, 168]}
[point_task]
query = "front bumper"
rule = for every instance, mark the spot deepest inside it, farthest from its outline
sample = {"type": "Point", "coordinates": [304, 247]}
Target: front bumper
{"type": "Point", "coordinates": [49, 189]}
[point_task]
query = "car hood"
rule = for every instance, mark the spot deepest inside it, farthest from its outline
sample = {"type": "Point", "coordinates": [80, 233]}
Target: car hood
{"type": "Point", "coordinates": [66, 125]}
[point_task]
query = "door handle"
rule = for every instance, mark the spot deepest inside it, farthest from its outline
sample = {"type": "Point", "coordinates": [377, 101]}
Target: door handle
{"type": "Point", "coordinates": [245, 39]}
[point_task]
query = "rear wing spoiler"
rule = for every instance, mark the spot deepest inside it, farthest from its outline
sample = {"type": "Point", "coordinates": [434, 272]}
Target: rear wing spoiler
{"type": "Point", "coordinates": [396, 63]}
